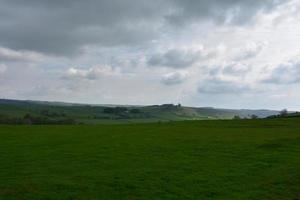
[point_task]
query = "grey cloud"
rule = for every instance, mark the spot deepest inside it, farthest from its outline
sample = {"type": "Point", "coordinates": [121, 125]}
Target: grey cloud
{"type": "Point", "coordinates": [226, 79]}
{"type": "Point", "coordinates": [174, 78]}
{"type": "Point", "coordinates": [236, 69]}
{"type": "Point", "coordinates": [3, 68]}
{"type": "Point", "coordinates": [251, 50]}
{"type": "Point", "coordinates": [285, 73]}
{"type": "Point", "coordinates": [175, 58]}
{"type": "Point", "coordinates": [220, 11]}
{"type": "Point", "coordinates": [217, 86]}
{"type": "Point", "coordinates": [64, 27]}
{"type": "Point", "coordinates": [230, 69]}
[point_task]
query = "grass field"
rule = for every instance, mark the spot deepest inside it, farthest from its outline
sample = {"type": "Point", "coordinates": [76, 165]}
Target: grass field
{"type": "Point", "coordinates": [237, 159]}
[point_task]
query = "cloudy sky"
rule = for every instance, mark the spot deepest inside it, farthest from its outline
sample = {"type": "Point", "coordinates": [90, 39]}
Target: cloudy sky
{"type": "Point", "coordinates": [220, 53]}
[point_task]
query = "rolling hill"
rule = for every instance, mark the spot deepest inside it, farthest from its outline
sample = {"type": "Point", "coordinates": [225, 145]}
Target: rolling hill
{"type": "Point", "coordinates": [94, 114]}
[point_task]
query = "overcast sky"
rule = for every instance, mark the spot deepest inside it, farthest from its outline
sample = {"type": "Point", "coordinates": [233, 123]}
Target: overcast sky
{"type": "Point", "coordinates": [220, 53]}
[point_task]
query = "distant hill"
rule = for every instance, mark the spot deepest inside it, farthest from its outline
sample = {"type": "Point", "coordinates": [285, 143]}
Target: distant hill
{"type": "Point", "coordinates": [93, 114]}
{"type": "Point", "coordinates": [287, 115]}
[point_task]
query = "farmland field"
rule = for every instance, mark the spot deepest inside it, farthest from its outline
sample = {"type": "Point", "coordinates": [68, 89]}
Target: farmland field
{"type": "Point", "coordinates": [231, 159]}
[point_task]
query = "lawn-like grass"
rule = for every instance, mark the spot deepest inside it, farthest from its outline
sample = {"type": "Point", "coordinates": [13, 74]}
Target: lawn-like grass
{"type": "Point", "coordinates": [179, 160]}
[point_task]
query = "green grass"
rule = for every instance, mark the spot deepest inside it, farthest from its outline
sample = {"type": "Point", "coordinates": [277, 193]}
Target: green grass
{"type": "Point", "coordinates": [245, 159]}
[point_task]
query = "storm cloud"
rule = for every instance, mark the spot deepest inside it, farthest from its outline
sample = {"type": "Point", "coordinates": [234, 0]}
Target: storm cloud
{"type": "Point", "coordinates": [65, 27]}
{"type": "Point", "coordinates": [219, 11]}
{"type": "Point", "coordinates": [175, 58]}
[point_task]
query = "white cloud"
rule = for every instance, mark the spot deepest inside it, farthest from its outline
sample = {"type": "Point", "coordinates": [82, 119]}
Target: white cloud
{"type": "Point", "coordinates": [3, 68]}
{"type": "Point", "coordinates": [235, 68]}
{"type": "Point", "coordinates": [92, 73]}
{"type": "Point", "coordinates": [251, 50]}
{"type": "Point", "coordinates": [284, 73]}
{"type": "Point", "coordinates": [231, 71]}
{"type": "Point", "coordinates": [22, 56]}
{"type": "Point", "coordinates": [174, 78]}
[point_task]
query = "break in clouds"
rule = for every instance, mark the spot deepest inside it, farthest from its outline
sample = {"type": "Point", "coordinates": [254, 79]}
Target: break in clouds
{"type": "Point", "coordinates": [222, 53]}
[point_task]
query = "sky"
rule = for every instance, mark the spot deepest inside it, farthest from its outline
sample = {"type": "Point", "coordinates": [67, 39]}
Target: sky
{"type": "Point", "coordinates": [216, 53]}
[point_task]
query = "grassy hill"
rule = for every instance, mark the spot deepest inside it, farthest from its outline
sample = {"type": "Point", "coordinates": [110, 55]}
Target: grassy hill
{"type": "Point", "coordinates": [93, 114]}
{"type": "Point", "coordinates": [286, 115]}
{"type": "Point", "coordinates": [211, 160]}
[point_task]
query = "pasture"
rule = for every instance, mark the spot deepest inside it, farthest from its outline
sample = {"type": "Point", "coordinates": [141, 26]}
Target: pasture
{"type": "Point", "coordinates": [230, 159]}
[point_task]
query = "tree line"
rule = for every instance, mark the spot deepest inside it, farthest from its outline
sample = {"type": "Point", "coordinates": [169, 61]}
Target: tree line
{"type": "Point", "coordinates": [30, 119]}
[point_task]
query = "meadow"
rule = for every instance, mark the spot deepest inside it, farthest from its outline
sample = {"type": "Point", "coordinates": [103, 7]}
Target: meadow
{"type": "Point", "coordinates": [220, 159]}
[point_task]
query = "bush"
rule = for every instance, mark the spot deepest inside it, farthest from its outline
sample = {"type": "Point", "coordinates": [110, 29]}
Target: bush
{"type": "Point", "coordinates": [284, 113]}
{"type": "Point", "coordinates": [135, 111]}
{"type": "Point", "coordinates": [254, 117]}
{"type": "Point", "coordinates": [236, 117]}
{"type": "Point", "coordinates": [30, 119]}
{"type": "Point", "coordinates": [115, 110]}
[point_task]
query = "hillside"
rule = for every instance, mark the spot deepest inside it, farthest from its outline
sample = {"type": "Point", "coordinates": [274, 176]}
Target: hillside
{"type": "Point", "coordinates": [286, 115]}
{"type": "Point", "coordinates": [93, 114]}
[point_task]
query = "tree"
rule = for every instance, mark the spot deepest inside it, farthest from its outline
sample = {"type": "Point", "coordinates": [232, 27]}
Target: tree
{"type": "Point", "coordinates": [115, 110]}
{"type": "Point", "coordinates": [236, 117]}
{"type": "Point", "coordinates": [45, 112]}
{"type": "Point", "coordinates": [135, 111]}
{"type": "Point", "coordinates": [28, 119]}
{"type": "Point", "coordinates": [254, 117]}
{"type": "Point", "coordinates": [284, 112]}
{"type": "Point", "coordinates": [108, 110]}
